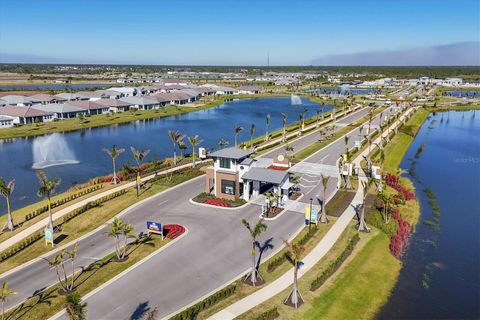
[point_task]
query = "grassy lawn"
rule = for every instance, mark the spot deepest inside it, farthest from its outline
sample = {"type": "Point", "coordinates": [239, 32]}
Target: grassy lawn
{"type": "Point", "coordinates": [84, 223]}
{"type": "Point", "coordinates": [361, 288]}
{"type": "Point", "coordinates": [49, 302]}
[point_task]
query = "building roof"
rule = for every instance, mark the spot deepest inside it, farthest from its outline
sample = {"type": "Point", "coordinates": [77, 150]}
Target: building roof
{"type": "Point", "coordinates": [42, 97]}
{"type": "Point", "coordinates": [59, 108]}
{"type": "Point", "coordinates": [108, 92]}
{"type": "Point", "coordinates": [248, 88]}
{"type": "Point", "coordinates": [141, 101]}
{"type": "Point", "coordinates": [247, 161]}
{"type": "Point", "coordinates": [231, 153]}
{"type": "Point", "coordinates": [67, 96]}
{"type": "Point", "coordinates": [85, 104]}
{"type": "Point", "coordinates": [265, 175]}
{"type": "Point", "coordinates": [23, 112]}
{"type": "Point", "coordinates": [6, 118]}
{"type": "Point", "coordinates": [112, 103]}
{"type": "Point", "coordinates": [91, 94]}
{"type": "Point", "coordinates": [15, 99]}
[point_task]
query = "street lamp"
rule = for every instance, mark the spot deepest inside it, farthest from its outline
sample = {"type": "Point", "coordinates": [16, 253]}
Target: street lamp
{"type": "Point", "coordinates": [310, 216]}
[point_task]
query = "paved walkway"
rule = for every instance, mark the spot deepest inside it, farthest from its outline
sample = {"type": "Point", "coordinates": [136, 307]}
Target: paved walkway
{"type": "Point", "coordinates": [322, 248]}
{"type": "Point", "coordinates": [42, 223]}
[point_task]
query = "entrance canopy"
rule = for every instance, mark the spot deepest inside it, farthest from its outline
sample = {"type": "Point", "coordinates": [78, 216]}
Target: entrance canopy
{"type": "Point", "coordinates": [275, 177]}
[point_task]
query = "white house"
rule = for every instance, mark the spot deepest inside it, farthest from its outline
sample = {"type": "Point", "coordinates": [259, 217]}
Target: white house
{"type": "Point", "coordinates": [248, 89]}
{"type": "Point", "coordinates": [17, 100]}
{"type": "Point", "coordinates": [6, 122]}
{"type": "Point", "coordinates": [26, 115]}
{"type": "Point", "coordinates": [126, 91]}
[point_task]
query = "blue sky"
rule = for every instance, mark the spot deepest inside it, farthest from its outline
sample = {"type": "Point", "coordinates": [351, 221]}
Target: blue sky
{"type": "Point", "coordinates": [234, 32]}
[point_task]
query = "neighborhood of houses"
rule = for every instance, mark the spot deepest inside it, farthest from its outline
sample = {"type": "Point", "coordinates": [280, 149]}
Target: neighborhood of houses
{"type": "Point", "coordinates": [19, 110]}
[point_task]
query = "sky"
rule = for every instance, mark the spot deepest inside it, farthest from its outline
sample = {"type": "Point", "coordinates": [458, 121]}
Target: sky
{"type": "Point", "coordinates": [242, 32]}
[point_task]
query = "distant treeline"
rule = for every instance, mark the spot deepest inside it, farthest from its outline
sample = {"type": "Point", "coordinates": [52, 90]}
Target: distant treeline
{"type": "Point", "coordinates": [466, 72]}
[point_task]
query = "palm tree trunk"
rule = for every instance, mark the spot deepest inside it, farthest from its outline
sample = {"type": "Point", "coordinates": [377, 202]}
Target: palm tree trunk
{"type": "Point", "coordinates": [3, 310]}
{"type": "Point", "coordinates": [73, 275]}
{"type": "Point", "coordinates": [65, 277]}
{"type": "Point", "coordinates": [124, 250]}
{"type": "Point", "coordinates": [284, 134]}
{"type": "Point", "coordinates": [174, 155]}
{"type": "Point", "coordinates": [193, 155]}
{"type": "Point", "coordinates": [50, 219]}
{"type": "Point", "coordinates": [117, 248]}
{"type": "Point", "coordinates": [138, 182]}
{"type": "Point", "coordinates": [114, 173]}
{"type": "Point", "coordinates": [253, 277]}
{"type": "Point", "coordinates": [9, 215]}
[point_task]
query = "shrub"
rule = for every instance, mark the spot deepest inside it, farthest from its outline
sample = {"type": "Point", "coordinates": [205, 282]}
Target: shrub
{"type": "Point", "coordinates": [270, 314]}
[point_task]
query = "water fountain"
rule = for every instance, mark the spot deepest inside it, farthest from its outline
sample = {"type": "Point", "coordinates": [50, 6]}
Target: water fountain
{"type": "Point", "coordinates": [51, 150]}
{"type": "Point", "coordinates": [296, 100]}
{"type": "Point", "coordinates": [344, 88]}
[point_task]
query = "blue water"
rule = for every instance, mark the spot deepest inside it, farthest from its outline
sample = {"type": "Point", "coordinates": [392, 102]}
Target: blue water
{"type": "Point", "coordinates": [353, 91]}
{"type": "Point", "coordinates": [461, 94]}
{"type": "Point", "coordinates": [56, 87]}
{"type": "Point", "coordinates": [211, 124]}
{"type": "Point", "coordinates": [448, 259]}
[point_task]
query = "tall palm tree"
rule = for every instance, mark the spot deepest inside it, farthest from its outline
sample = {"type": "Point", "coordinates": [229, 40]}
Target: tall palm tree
{"type": "Point", "coordinates": [6, 190]}
{"type": "Point", "coordinates": [362, 225]}
{"type": "Point", "coordinates": [194, 142]}
{"type": "Point", "coordinates": [114, 153]}
{"type": "Point", "coordinates": [75, 307]}
{"type": "Point", "coordinates": [5, 292]}
{"type": "Point", "coordinates": [317, 124]}
{"type": "Point", "coordinates": [223, 143]}
{"type": "Point", "coordinates": [387, 202]}
{"type": "Point", "coordinates": [138, 155]}
{"type": "Point", "coordinates": [284, 126]}
{"type": "Point", "coordinates": [121, 230]}
{"type": "Point", "coordinates": [72, 255]}
{"type": "Point", "coordinates": [267, 125]}
{"type": "Point", "coordinates": [252, 133]}
{"type": "Point", "coordinates": [323, 108]}
{"type": "Point", "coordinates": [303, 114]}
{"type": "Point", "coordinates": [58, 263]}
{"type": "Point", "coordinates": [47, 188]}
{"type": "Point", "coordinates": [295, 251]}
{"type": "Point", "coordinates": [175, 137]}
{"type": "Point", "coordinates": [182, 146]}
{"type": "Point", "coordinates": [323, 215]}
{"type": "Point", "coordinates": [255, 232]}
{"type": "Point", "coordinates": [236, 131]}
{"type": "Point", "coordinates": [381, 159]}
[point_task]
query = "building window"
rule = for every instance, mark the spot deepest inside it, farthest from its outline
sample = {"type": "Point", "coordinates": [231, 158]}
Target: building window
{"type": "Point", "coordinates": [228, 187]}
{"type": "Point", "coordinates": [225, 163]}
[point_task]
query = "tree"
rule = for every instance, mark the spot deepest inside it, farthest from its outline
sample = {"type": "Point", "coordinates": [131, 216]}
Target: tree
{"type": "Point", "coordinates": [362, 225]}
{"type": "Point", "coordinates": [302, 119]}
{"type": "Point", "coordinates": [252, 133]}
{"type": "Point", "coordinates": [267, 125]}
{"type": "Point", "coordinates": [295, 251]}
{"type": "Point", "coordinates": [318, 119]}
{"type": "Point", "coordinates": [114, 153]}
{"type": "Point", "coordinates": [182, 146]}
{"type": "Point", "coordinates": [222, 143]}
{"type": "Point", "coordinates": [236, 131]}
{"type": "Point", "coordinates": [381, 159]}
{"type": "Point", "coordinates": [6, 190]}
{"type": "Point", "coordinates": [284, 126]}
{"type": "Point", "coordinates": [47, 188]}
{"type": "Point", "coordinates": [138, 155]}
{"type": "Point", "coordinates": [76, 309]}
{"type": "Point", "coordinates": [346, 177]}
{"type": "Point", "coordinates": [194, 142]}
{"type": "Point", "coordinates": [296, 181]}
{"type": "Point", "coordinates": [255, 232]}
{"type": "Point", "coordinates": [387, 202]}
{"type": "Point", "coordinates": [323, 215]}
{"type": "Point", "coordinates": [4, 294]}
{"type": "Point", "coordinates": [175, 137]}
{"type": "Point", "coordinates": [58, 263]}
{"type": "Point", "coordinates": [121, 230]}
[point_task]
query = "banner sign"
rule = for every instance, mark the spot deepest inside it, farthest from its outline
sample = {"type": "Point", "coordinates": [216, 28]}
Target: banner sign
{"type": "Point", "coordinates": [307, 215]}
{"type": "Point", "coordinates": [155, 227]}
{"type": "Point", "coordinates": [314, 216]}
{"type": "Point", "coordinates": [49, 236]}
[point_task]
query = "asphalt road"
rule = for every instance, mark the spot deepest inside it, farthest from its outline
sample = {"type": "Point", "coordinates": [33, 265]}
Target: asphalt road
{"type": "Point", "coordinates": [216, 249]}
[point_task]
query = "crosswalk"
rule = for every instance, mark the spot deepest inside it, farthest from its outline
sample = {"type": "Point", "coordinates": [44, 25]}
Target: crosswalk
{"type": "Point", "coordinates": [314, 169]}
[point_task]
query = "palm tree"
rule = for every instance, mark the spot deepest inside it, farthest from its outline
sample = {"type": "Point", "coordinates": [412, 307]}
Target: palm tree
{"type": "Point", "coordinates": [255, 232]}
{"type": "Point", "coordinates": [296, 181]}
{"type": "Point", "coordinates": [267, 125]}
{"type": "Point", "coordinates": [223, 143]}
{"type": "Point", "coordinates": [302, 118]}
{"type": "Point", "coordinates": [194, 142]}
{"type": "Point", "coordinates": [295, 251]}
{"type": "Point", "coordinates": [318, 119]}
{"type": "Point", "coordinates": [252, 133]}
{"type": "Point", "coordinates": [118, 230]}
{"type": "Point", "coordinates": [114, 153]}
{"type": "Point", "coordinates": [236, 131]}
{"type": "Point", "coordinates": [323, 215]}
{"type": "Point", "coordinates": [76, 309]}
{"type": "Point", "coordinates": [381, 159]}
{"type": "Point", "coordinates": [47, 188]}
{"type": "Point", "coordinates": [176, 137]}
{"type": "Point", "coordinates": [72, 254]}
{"type": "Point", "coordinates": [182, 146]}
{"type": "Point", "coordinates": [58, 262]}
{"type": "Point", "coordinates": [322, 107]}
{"type": "Point", "coordinates": [387, 201]}
{"type": "Point", "coordinates": [138, 155]}
{"type": "Point", "coordinates": [4, 294]}
{"type": "Point", "coordinates": [6, 190]}
{"type": "Point", "coordinates": [362, 225]}
{"type": "Point", "coordinates": [284, 126]}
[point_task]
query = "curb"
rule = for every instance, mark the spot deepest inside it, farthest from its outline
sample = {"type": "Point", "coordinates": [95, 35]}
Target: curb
{"type": "Point", "coordinates": [218, 207]}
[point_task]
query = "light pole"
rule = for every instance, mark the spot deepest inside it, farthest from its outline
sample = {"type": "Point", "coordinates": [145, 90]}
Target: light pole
{"type": "Point", "coordinates": [310, 216]}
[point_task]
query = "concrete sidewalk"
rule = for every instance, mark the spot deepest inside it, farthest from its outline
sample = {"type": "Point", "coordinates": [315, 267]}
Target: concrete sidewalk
{"type": "Point", "coordinates": [322, 248]}
{"type": "Point", "coordinates": [42, 223]}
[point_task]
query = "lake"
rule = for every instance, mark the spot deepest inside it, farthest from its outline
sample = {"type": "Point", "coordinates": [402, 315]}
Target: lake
{"type": "Point", "coordinates": [440, 277]}
{"type": "Point", "coordinates": [211, 124]}
{"type": "Point", "coordinates": [461, 94]}
{"type": "Point", "coordinates": [56, 87]}
{"type": "Point", "coordinates": [345, 90]}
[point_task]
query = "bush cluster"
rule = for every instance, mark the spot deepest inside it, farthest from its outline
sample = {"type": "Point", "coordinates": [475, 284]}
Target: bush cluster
{"type": "Point", "coordinates": [193, 311]}
{"type": "Point", "coordinates": [270, 314]}
{"type": "Point", "coordinates": [332, 267]}
{"type": "Point", "coordinates": [20, 246]}
{"type": "Point", "coordinates": [62, 201]}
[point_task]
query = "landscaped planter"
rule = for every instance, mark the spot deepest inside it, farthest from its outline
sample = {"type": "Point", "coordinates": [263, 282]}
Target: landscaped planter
{"type": "Point", "coordinates": [214, 201]}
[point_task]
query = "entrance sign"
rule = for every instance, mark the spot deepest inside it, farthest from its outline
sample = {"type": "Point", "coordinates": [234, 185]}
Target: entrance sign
{"type": "Point", "coordinates": [155, 227]}
{"type": "Point", "coordinates": [48, 236]}
{"type": "Point", "coordinates": [357, 143]}
{"type": "Point", "coordinates": [307, 216]}
{"type": "Point", "coordinates": [314, 216]}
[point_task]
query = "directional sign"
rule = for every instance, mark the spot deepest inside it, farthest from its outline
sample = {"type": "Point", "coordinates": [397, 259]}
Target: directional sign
{"type": "Point", "coordinates": [49, 236]}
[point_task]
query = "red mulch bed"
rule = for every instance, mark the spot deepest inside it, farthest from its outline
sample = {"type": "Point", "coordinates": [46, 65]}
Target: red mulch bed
{"type": "Point", "coordinates": [277, 168]}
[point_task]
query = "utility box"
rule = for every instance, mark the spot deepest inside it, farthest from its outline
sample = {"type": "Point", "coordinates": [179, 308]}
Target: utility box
{"type": "Point", "coordinates": [376, 172]}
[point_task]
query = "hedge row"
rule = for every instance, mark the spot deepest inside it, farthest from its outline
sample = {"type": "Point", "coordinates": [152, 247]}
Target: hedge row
{"type": "Point", "coordinates": [39, 235]}
{"type": "Point", "coordinates": [193, 311]}
{"type": "Point", "coordinates": [318, 281]}
{"type": "Point", "coordinates": [92, 204]}
{"type": "Point", "coordinates": [20, 246]}
{"type": "Point", "coordinates": [270, 314]}
{"type": "Point", "coordinates": [278, 261]}
{"type": "Point", "coordinates": [30, 216]}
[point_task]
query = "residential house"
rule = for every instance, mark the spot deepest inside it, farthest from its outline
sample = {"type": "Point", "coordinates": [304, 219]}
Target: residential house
{"type": "Point", "coordinates": [111, 94]}
{"type": "Point", "coordinates": [142, 103]}
{"type": "Point", "coordinates": [6, 122]}
{"type": "Point", "coordinates": [43, 98]}
{"type": "Point", "coordinates": [126, 91]}
{"type": "Point", "coordinates": [91, 95]}
{"type": "Point", "coordinates": [68, 96]}
{"type": "Point", "coordinates": [91, 107]}
{"type": "Point", "coordinates": [248, 89]}
{"type": "Point", "coordinates": [17, 100]}
{"type": "Point", "coordinates": [114, 105]}
{"type": "Point", "coordinates": [62, 110]}
{"type": "Point", "coordinates": [26, 115]}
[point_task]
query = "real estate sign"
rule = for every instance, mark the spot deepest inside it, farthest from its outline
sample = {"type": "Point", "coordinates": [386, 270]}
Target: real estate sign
{"type": "Point", "coordinates": [48, 236]}
{"type": "Point", "coordinates": [307, 215]}
{"type": "Point", "coordinates": [314, 216]}
{"type": "Point", "coordinates": [155, 227]}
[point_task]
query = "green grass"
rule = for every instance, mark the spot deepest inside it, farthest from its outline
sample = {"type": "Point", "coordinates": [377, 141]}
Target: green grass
{"type": "Point", "coordinates": [49, 302]}
{"type": "Point", "coordinates": [362, 287]}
